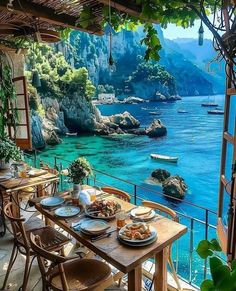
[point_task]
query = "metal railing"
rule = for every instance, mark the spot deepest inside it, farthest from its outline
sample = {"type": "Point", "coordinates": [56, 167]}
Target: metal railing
{"type": "Point", "coordinates": [201, 222]}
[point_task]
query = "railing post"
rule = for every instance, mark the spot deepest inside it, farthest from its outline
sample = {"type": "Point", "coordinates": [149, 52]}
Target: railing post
{"type": "Point", "coordinates": [35, 158]}
{"type": "Point", "coordinates": [206, 238]}
{"type": "Point", "coordinates": [55, 163]}
{"type": "Point", "coordinates": [135, 194]}
{"type": "Point", "coordinates": [191, 251]}
{"type": "Point", "coordinates": [61, 177]}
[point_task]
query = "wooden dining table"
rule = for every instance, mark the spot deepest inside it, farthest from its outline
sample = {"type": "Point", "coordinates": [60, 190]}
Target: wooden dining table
{"type": "Point", "coordinates": [125, 258]}
{"type": "Point", "coordinates": [10, 188]}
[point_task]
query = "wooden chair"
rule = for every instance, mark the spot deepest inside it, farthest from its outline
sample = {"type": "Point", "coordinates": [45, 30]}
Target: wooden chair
{"type": "Point", "coordinates": [52, 240]}
{"type": "Point", "coordinates": [171, 213]}
{"type": "Point", "coordinates": [117, 192]}
{"type": "Point", "coordinates": [70, 273]}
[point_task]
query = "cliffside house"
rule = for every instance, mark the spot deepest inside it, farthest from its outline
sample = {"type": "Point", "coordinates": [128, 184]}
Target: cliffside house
{"type": "Point", "coordinates": [41, 20]}
{"type": "Point", "coordinates": [107, 98]}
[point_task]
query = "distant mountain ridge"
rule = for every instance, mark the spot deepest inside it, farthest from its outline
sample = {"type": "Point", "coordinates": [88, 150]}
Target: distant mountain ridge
{"type": "Point", "coordinates": [182, 59]}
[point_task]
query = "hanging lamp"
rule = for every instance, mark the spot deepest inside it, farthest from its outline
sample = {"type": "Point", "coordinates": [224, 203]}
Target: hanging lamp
{"type": "Point", "coordinates": [111, 62]}
{"type": "Point", "coordinates": [36, 82]}
{"type": "Point", "coordinates": [200, 35]}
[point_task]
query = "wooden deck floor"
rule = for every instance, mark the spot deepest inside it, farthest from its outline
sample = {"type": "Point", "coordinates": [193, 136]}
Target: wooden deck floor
{"type": "Point", "coordinates": [16, 275]}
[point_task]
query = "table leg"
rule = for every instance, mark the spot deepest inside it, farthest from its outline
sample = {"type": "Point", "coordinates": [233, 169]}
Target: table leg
{"type": "Point", "coordinates": [135, 279]}
{"type": "Point", "coordinates": [160, 278]}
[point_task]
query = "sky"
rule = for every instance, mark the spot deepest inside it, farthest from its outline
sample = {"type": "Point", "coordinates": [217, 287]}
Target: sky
{"type": "Point", "coordinates": [173, 32]}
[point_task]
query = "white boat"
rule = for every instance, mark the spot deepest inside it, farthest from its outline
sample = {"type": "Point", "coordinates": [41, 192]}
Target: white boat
{"type": "Point", "coordinates": [216, 112]}
{"type": "Point", "coordinates": [182, 111]}
{"type": "Point", "coordinates": [164, 158]}
{"type": "Point", "coordinates": [71, 133]}
{"type": "Point", "coordinates": [155, 113]}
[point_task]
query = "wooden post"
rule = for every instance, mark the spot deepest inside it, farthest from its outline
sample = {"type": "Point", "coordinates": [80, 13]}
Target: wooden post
{"type": "Point", "coordinates": [160, 277]}
{"type": "Point", "coordinates": [135, 279]}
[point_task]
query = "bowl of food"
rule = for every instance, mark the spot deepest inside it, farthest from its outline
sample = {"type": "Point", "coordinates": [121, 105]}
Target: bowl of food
{"type": "Point", "coordinates": [103, 209]}
{"type": "Point", "coordinates": [137, 232]}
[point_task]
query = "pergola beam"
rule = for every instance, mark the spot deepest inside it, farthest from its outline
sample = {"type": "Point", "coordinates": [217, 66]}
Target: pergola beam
{"type": "Point", "coordinates": [30, 9]}
{"type": "Point", "coordinates": [127, 7]}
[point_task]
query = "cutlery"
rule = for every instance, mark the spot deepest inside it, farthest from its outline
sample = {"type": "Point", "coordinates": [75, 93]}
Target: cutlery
{"type": "Point", "coordinates": [104, 235]}
{"type": "Point", "coordinates": [128, 211]}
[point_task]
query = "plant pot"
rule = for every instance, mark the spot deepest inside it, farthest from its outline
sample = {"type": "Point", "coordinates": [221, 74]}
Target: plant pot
{"type": "Point", "coordinates": [4, 165]}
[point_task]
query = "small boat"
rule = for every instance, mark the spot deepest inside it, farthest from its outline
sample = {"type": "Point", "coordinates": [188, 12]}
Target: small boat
{"type": "Point", "coordinates": [154, 113]}
{"type": "Point", "coordinates": [216, 112]}
{"type": "Point", "coordinates": [182, 111]}
{"type": "Point", "coordinates": [209, 104]}
{"type": "Point", "coordinates": [164, 158]}
{"type": "Point", "coordinates": [71, 133]}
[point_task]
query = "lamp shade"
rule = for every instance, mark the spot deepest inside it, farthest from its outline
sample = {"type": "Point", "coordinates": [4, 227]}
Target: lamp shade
{"type": "Point", "coordinates": [35, 79]}
{"type": "Point", "coordinates": [200, 35]}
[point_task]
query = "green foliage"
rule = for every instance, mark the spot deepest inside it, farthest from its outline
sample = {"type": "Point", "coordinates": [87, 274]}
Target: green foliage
{"type": "Point", "coordinates": [9, 150]}
{"type": "Point", "coordinates": [182, 13]}
{"type": "Point", "coordinates": [58, 78]}
{"type": "Point", "coordinates": [79, 170]}
{"type": "Point", "coordinates": [7, 97]}
{"type": "Point", "coordinates": [153, 74]}
{"type": "Point", "coordinates": [223, 276]}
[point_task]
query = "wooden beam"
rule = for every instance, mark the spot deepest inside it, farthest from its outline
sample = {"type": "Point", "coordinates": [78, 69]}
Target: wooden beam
{"type": "Point", "coordinates": [47, 14]}
{"type": "Point", "coordinates": [124, 6]}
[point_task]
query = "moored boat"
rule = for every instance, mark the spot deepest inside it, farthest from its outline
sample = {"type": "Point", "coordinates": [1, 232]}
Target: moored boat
{"type": "Point", "coordinates": [216, 112]}
{"type": "Point", "coordinates": [209, 104]}
{"type": "Point", "coordinates": [154, 113]}
{"type": "Point", "coordinates": [182, 111]}
{"type": "Point", "coordinates": [164, 158]}
{"type": "Point", "coordinates": [71, 133]}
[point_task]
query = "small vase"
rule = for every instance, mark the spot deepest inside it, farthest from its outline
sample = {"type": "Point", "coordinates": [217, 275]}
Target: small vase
{"type": "Point", "coordinates": [75, 193]}
{"type": "Point", "coordinates": [4, 165]}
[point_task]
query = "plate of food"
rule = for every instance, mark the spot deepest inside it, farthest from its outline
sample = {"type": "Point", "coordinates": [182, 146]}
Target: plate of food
{"type": "Point", "coordinates": [103, 209]}
{"type": "Point", "coordinates": [67, 211]}
{"type": "Point", "coordinates": [143, 213]}
{"type": "Point", "coordinates": [137, 232]}
{"type": "Point", "coordinates": [95, 226]}
{"type": "Point", "coordinates": [52, 201]}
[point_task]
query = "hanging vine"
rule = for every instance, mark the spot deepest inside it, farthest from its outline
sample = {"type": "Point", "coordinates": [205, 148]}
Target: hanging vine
{"type": "Point", "coordinates": [8, 111]}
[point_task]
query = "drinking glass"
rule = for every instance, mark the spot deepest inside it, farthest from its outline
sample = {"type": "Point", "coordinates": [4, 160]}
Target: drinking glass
{"type": "Point", "coordinates": [93, 195]}
{"type": "Point", "coordinates": [120, 219]}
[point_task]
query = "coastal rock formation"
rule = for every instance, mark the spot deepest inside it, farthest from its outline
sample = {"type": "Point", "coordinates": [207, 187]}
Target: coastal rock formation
{"type": "Point", "coordinates": [156, 129]}
{"type": "Point", "coordinates": [165, 98]}
{"type": "Point", "coordinates": [38, 140]}
{"type": "Point", "coordinates": [160, 175]}
{"type": "Point", "coordinates": [174, 186]}
{"type": "Point", "coordinates": [133, 100]}
{"type": "Point", "coordinates": [124, 120]}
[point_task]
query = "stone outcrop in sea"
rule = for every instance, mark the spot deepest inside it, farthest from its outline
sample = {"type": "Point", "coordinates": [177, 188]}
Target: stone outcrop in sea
{"type": "Point", "coordinates": [156, 129]}
{"type": "Point", "coordinates": [175, 186]}
{"type": "Point", "coordinates": [133, 100]}
{"type": "Point", "coordinates": [77, 114]}
{"type": "Point", "coordinates": [160, 175]}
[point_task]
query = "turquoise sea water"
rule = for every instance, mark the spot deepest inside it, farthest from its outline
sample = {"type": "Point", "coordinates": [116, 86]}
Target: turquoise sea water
{"type": "Point", "coordinates": [194, 137]}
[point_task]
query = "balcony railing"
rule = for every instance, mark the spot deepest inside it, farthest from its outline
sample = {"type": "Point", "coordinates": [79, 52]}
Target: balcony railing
{"type": "Point", "coordinates": [201, 222]}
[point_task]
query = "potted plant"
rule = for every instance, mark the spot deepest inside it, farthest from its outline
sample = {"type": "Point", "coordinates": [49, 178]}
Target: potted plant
{"type": "Point", "coordinates": [9, 152]}
{"type": "Point", "coordinates": [78, 171]}
{"type": "Point", "coordinates": [223, 275]}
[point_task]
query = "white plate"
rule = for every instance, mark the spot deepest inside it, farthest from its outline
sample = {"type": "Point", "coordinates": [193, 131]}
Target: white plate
{"type": "Point", "coordinates": [134, 241]}
{"type": "Point", "coordinates": [94, 226]}
{"type": "Point", "coordinates": [145, 217]}
{"type": "Point", "coordinates": [140, 244]}
{"type": "Point", "coordinates": [52, 201]}
{"type": "Point", "coordinates": [67, 211]}
{"type": "Point", "coordinates": [5, 177]}
{"type": "Point", "coordinates": [91, 191]}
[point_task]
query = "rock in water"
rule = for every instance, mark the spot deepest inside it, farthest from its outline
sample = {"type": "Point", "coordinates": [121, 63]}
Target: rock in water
{"type": "Point", "coordinates": [156, 129]}
{"type": "Point", "coordinates": [124, 120]}
{"type": "Point", "coordinates": [133, 100]}
{"type": "Point", "coordinates": [174, 186]}
{"type": "Point", "coordinates": [161, 175]}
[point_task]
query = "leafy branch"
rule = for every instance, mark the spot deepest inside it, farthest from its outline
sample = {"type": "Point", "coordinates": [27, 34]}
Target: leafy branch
{"type": "Point", "coordinates": [223, 276]}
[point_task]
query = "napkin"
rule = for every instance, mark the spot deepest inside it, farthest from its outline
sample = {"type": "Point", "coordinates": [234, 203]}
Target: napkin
{"type": "Point", "coordinates": [84, 197]}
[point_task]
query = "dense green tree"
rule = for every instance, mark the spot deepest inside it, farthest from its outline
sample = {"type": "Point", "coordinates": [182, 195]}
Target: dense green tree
{"type": "Point", "coordinates": [58, 78]}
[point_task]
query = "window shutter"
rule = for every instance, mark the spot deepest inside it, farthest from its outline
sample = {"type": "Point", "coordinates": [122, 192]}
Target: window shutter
{"type": "Point", "coordinates": [22, 131]}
